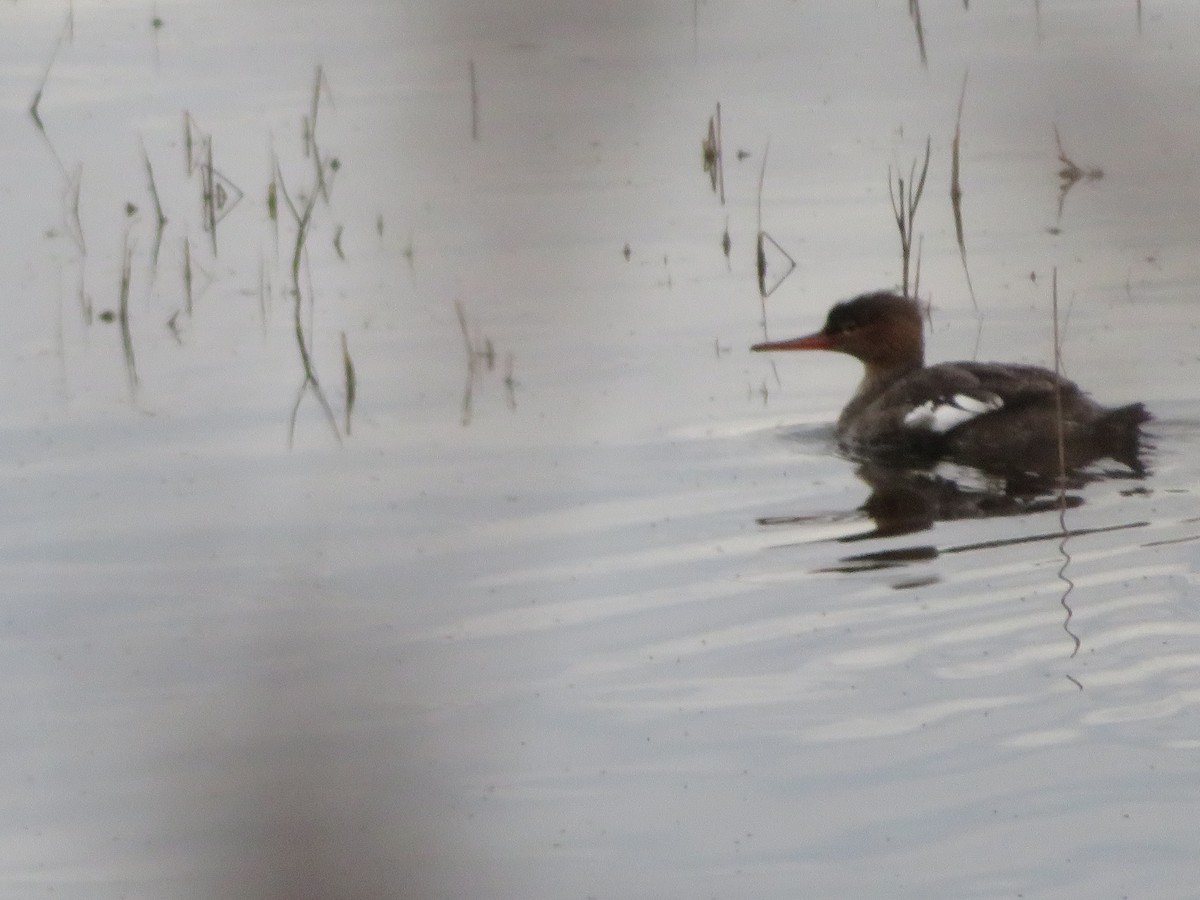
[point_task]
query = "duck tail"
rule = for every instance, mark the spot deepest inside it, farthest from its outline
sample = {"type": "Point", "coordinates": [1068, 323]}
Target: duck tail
{"type": "Point", "coordinates": [1119, 433]}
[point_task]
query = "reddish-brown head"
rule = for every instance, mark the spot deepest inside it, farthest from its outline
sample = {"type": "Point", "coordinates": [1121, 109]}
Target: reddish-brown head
{"type": "Point", "coordinates": [883, 329]}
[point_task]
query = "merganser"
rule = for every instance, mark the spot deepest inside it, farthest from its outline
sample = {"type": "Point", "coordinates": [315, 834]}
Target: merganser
{"type": "Point", "coordinates": [999, 417]}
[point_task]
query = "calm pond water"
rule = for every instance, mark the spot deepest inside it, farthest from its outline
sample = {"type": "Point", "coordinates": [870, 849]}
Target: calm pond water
{"type": "Point", "coordinates": [566, 593]}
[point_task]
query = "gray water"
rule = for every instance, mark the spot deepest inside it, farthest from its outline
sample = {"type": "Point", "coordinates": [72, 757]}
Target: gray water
{"type": "Point", "coordinates": [583, 602]}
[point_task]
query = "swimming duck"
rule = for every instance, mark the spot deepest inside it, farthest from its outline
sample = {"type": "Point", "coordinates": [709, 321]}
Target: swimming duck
{"type": "Point", "coordinates": [1001, 417]}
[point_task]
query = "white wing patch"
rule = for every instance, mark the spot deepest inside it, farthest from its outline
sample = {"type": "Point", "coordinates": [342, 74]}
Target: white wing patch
{"type": "Point", "coordinates": [939, 416]}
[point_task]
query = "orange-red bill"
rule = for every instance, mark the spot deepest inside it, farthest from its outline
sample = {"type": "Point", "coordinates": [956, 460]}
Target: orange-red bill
{"type": "Point", "coordinates": [818, 341]}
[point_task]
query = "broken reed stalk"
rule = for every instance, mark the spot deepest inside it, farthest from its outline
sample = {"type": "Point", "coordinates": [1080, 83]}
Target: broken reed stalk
{"type": "Point", "coordinates": [123, 315]}
{"type": "Point", "coordinates": [187, 275]}
{"type": "Point", "coordinates": [71, 218]}
{"type": "Point", "coordinates": [191, 135]}
{"type": "Point", "coordinates": [310, 132]}
{"type": "Point", "coordinates": [67, 33]}
{"type": "Point", "coordinates": [351, 383]}
{"type": "Point", "coordinates": [1058, 408]}
{"type": "Point", "coordinates": [273, 202]}
{"type": "Point", "coordinates": [760, 261]}
{"type": "Point", "coordinates": [956, 195]}
{"type": "Point", "coordinates": [274, 191]}
{"type": "Point", "coordinates": [472, 362]}
{"type": "Point", "coordinates": [1060, 427]}
{"type": "Point", "coordinates": [160, 218]}
{"type": "Point", "coordinates": [905, 201]}
{"type": "Point", "coordinates": [1071, 173]}
{"type": "Point", "coordinates": [310, 381]}
{"type": "Point", "coordinates": [218, 195]}
{"type": "Point", "coordinates": [264, 290]}
{"type": "Point", "coordinates": [283, 189]}
{"type": "Point", "coordinates": [712, 156]}
{"type": "Point", "coordinates": [85, 301]}
{"type": "Point", "coordinates": [760, 255]}
{"type": "Point", "coordinates": [314, 108]}
{"type": "Point", "coordinates": [207, 196]}
{"type": "Point", "coordinates": [914, 12]}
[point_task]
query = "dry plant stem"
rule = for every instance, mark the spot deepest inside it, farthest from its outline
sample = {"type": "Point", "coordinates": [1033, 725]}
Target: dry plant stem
{"type": "Point", "coordinates": [351, 383]}
{"type": "Point", "coordinates": [264, 290]}
{"type": "Point", "coordinates": [192, 135]}
{"type": "Point", "coordinates": [312, 300]}
{"type": "Point", "coordinates": [905, 201]}
{"type": "Point", "coordinates": [85, 300]}
{"type": "Point", "coordinates": [160, 218]}
{"type": "Point", "coordinates": [310, 374]}
{"type": "Point", "coordinates": [472, 362]}
{"type": "Point", "coordinates": [71, 218]}
{"type": "Point", "coordinates": [1062, 474]}
{"type": "Point", "coordinates": [764, 236]}
{"type": "Point", "coordinates": [274, 191]}
{"type": "Point", "coordinates": [123, 316]}
{"type": "Point", "coordinates": [311, 147]}
{"type": "Point", "coordinates": [760, 250]}
{"type": "Point", "coordinates": [1058, 411]}
{"type": "Point", "coordinates": [760, 261]}
{"type": "Point", "coordinates": [956, 195]}
{"type": "Point", "coordinates": [1071, 173]}
{"type": "Point", "coordinates": [466, 331]}
{"type": "Point", "coordinates": [760, 256]}
{"type": "Point", "coordinates": [914, 12]}
{"type": "Point", "coordinates": [206, 193]}
{"type": "Point", "coordinates": [187, 275]}
{"type": "Point", "coordinates": [711, 154]}
{"type": "Point", "coordinates": [67, 34]}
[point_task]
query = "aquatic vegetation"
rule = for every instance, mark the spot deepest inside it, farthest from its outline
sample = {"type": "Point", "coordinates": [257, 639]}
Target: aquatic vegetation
{"type": "Point", "coordinates": [906, 198]}
{"type": "Point", "coordinates": [956, 193]}
{"type": "Point", "coordinates": [711, 155]}
{"type": "Point", "coordinates": [1071, 173]}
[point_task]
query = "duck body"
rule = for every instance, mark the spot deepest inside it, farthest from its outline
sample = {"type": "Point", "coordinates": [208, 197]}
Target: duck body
{"type": "Point", "coordinates": [994, 416]}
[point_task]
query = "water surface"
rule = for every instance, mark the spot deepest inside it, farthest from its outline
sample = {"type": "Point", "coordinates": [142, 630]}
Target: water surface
{"type": "Point", "coordinates": [591, 608]}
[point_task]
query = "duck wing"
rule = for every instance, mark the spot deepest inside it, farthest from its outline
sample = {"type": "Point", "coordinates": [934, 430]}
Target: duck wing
{"type": "Point", "coordinates": [996, 417]}
{"type": "Point", "coordinates": [944, 397]}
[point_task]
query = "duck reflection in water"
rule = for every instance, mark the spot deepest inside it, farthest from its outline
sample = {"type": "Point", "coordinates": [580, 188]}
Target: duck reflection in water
{"type": "Point", "coordinates": [906, 500]}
